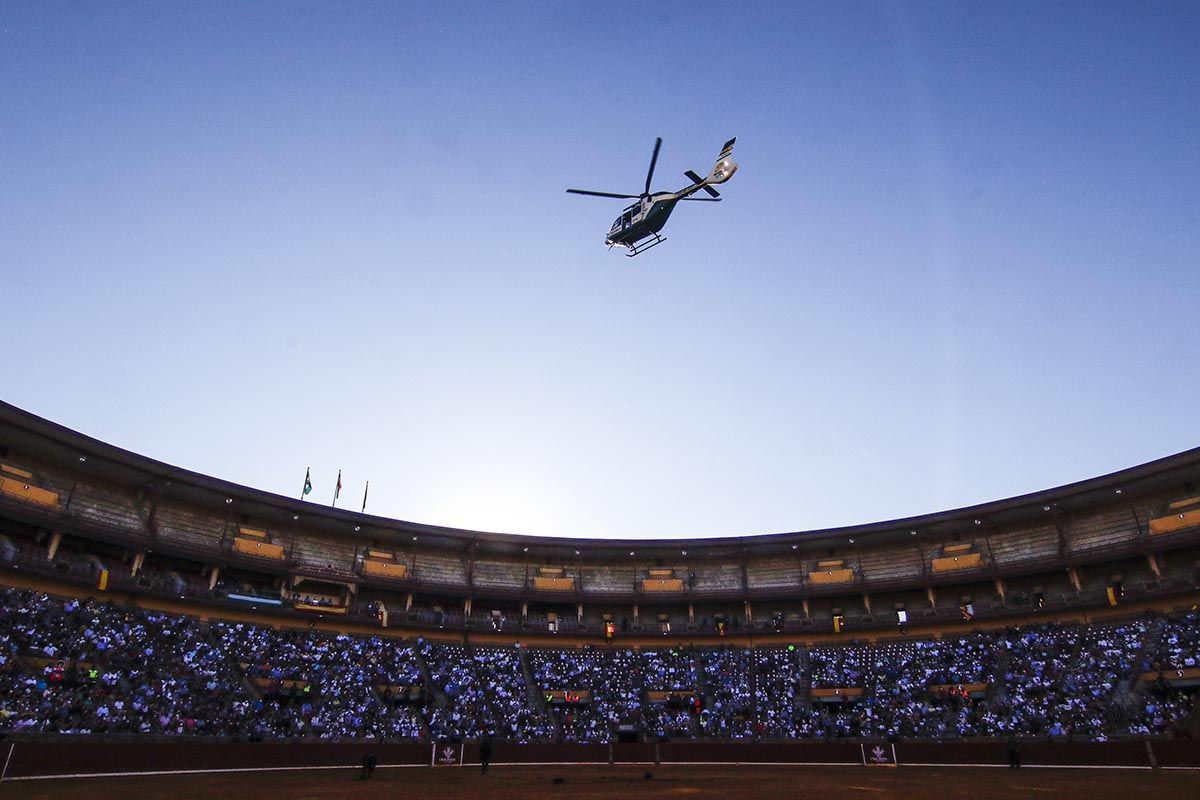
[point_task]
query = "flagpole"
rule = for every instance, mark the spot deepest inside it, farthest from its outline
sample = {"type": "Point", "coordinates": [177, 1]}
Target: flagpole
{"type": "Point", "coordinates": [365, 490]}
{"type": "Point", "coordinates": [337, 490]}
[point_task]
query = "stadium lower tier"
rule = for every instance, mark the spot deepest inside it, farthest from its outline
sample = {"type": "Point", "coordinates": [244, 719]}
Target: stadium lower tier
{"type": "Point", "coordinates": [82, 665]}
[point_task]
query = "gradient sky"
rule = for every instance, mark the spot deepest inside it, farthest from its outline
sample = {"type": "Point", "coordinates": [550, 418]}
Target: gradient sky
{"type": "Point", "coordinates": [960, 260]}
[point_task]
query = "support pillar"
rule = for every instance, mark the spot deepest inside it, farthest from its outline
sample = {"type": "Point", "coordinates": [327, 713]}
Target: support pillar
{"type": "Point", "coordinates": [635, 616]}
{"type": "Point", "coordinates": [1152, 559]}
{"type": "Point", "coordinates": [579, 612]}
{"type": "Point", "coordinates": [213, 575]}
{"type": "Point", "coordinates": [55, 541]}
{"type": "Point", "coordinates": [691, 614]}
{"type": "Point", "coordinates": [138, 560]}
{"type": "Point", "coordinates": [932, 597]}
{"type": "Point", "coordinates": [467, 607]}
{"type": "Point", "coordinates": [1000, 589]}
{"type": "Point", "coordinates": [749, 612]}
{"type": "Point", "coordinates": [804, 603]}
{"type": "Point", "coordinates": [524, 609]}
{"type": "Point", "coordinates": [867, 602]}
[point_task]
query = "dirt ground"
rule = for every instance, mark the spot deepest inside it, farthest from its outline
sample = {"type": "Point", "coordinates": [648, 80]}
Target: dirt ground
{"type": "Point", "coordinates": [585, 783]}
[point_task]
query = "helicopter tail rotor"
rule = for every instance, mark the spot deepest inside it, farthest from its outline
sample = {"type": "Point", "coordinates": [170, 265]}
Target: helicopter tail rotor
{"type": "Point", "coordinates": [725, 167]}
{"type": "Point", "coordinates": [697, 180]}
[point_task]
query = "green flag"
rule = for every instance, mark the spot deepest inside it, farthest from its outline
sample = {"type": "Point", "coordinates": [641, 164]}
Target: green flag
{"type": "Point", "coordinates": [307, 483]}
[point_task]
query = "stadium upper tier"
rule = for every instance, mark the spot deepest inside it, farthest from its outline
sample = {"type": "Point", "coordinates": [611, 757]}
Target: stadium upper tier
{"type": "Point", "coordinates": [93, 508]}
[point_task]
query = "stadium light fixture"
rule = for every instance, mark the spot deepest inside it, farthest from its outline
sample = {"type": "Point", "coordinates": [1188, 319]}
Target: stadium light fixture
{"type": "Point", "coordinates": [912, 533]}
{"type": "Point", "coordinates": [357, 528]}
{"type": "Point", "coordinates": [795, 547]}
{"type": "Point", "coordinates": [295, 517]}
{"type": "Point", "coordinates": [524, 549]}
{"type": "Point", "coordinates": [684, 552]}
{"type": "Point", "coordinates": [228, 500]}
{"type": "Point", "coordinates": [978, 522]}
{"type": "Point", "coordinates": [82, 459]}
{"type": "Point", "coordinates": [1118, 491]}
{"type": "Point", "coordinates": [1045, 508]}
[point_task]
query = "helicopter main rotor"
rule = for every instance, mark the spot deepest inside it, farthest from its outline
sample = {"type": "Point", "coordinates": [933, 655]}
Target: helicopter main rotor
{"type": "Point", "coordinates": [649, 178]}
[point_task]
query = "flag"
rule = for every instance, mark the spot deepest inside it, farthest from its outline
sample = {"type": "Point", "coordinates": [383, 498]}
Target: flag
{"type": "Point", "coordinates": [337, 490]}
{"type": "Point", "coordinates": [307, 483]}
{"type": "Point", "coordinates": [365, 490]}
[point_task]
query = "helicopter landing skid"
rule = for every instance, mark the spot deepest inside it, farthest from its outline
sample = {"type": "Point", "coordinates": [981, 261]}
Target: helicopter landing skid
{"type": "Point", "coordinates": [644, 245]}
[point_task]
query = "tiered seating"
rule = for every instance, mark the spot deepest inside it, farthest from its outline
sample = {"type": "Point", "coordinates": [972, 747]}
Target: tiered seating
{"type": "Point", "coordinates": [773, 573]}
{"type": "Point", "coordinates": [106, 509]}
{"type": "Point", "coordinates": [320, 684]}
{"type": "Point", "coordinates": [779, 683]}
{"type": "Point", "coordinates": [1028, 544]}
{"type": "Point", "coordinates": [445, 568]}
{"type": "Point", "coordinates": [324, 555]}
{"type": "Point", "coordinates": [926, 688]}
{"type": "Point", "coordinates": [194, 531]}
{"type": "Point", "coordinates": [486, 695]}
{"type": "Point", "coordinates": [498, 575]}
{"type": "Point", "coordinates": [1099, 531]}
{"type": "Point", "coordinates": [93, 667]}
{"type": "Point", "coordinates": [897, 563]}
{"type": "Point", "coordinates": [728, 708]}
{"type": "Point", "coordinates": [606, 677]}
{"type": "Point", "coordinates": [1167, 690]}
{"type": "Point", "coordinates": [718, 577]}
{"type": "Point", "coordinates": [610, 579]}
{"type": "Point", "coordinates": [88, 667]}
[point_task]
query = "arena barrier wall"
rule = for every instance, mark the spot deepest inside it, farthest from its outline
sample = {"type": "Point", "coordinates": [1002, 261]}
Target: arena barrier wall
{"type": "Point", "coordinates": [78, 756]}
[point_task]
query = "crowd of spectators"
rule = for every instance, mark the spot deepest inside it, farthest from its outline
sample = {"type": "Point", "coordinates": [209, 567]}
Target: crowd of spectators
{"type": "Point", "coordinates": [728, 711]}
{"type": "Point", "coordinates": [314, 683]}
{"type": "Point", "coordinates": [82, 666]}
{"type": "Point", "coordinates": [89, 666]}
{"type": "Point", "coordinates": [486, 695]}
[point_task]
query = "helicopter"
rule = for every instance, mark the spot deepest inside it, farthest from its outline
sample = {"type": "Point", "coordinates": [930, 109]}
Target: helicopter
{"type": "Point", "coordinates": [637, 229]}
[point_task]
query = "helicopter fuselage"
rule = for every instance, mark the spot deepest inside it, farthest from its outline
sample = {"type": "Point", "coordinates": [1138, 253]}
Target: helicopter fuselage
{"type": "Point", "coordinates": [637, 228]}
{"type": "Point", "coordinates": [644, 218]}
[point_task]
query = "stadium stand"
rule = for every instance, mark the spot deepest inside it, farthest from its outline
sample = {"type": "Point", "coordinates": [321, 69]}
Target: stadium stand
{"type": "Point", "coordinates": [144, 600]}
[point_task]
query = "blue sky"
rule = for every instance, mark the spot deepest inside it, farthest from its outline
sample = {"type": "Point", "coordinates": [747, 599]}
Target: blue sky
{"type": "Point", "coordinates": [959, 261]}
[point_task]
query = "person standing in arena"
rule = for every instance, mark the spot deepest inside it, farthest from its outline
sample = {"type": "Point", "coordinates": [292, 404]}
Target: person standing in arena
{"type": "Point", "coordinates": [485, 754]}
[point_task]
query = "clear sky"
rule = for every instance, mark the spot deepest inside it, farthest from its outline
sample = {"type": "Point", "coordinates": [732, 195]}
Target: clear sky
{"type": "Point", "coordinates": [960, 260]}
